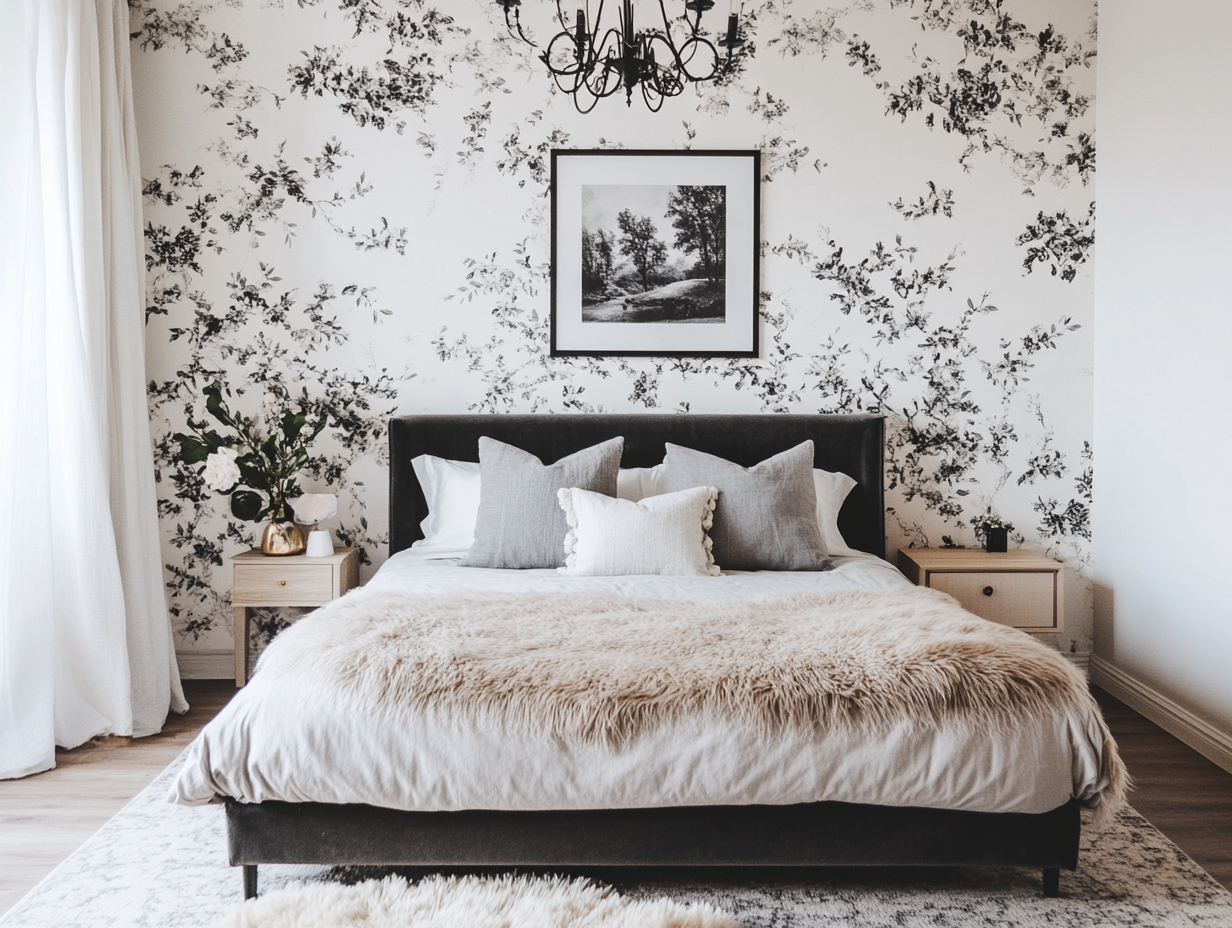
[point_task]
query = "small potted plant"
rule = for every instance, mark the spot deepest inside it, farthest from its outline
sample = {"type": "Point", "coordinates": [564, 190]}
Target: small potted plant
{"type": "Point", "coordinates": [996, 534]}
{"type": "Point", "coordinates": [257, 465]}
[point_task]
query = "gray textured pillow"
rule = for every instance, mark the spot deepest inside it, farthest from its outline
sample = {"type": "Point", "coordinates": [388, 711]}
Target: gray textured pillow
{"type": "Point", "coordinates": [520, 522]}
{"type": "Point", "coordinates": [766, 518]}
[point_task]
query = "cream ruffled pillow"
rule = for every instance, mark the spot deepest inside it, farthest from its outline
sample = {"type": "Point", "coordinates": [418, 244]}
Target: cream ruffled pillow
{"type": "Point", "coordinates": [659, 535]}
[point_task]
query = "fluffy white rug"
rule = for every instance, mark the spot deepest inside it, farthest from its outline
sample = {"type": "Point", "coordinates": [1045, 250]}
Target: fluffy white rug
{"type": "Point", "coordinates": [467, 902]}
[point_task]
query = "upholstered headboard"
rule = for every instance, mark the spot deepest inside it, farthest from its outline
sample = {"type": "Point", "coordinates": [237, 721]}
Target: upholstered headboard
{"type": "Point", "coordinates": [853, 445]}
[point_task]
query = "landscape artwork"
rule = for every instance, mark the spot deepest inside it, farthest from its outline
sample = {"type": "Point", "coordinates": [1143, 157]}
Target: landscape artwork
{"type": "Point", "coordinates": [654, 253]}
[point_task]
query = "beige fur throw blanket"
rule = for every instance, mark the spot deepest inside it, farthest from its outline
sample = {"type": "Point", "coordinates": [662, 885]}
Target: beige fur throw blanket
{"type": "Point", "coordinates": [596, 667]}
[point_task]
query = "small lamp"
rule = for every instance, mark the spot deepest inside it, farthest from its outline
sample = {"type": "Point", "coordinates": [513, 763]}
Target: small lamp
{"type": "Point", "coordinates": [313, 509]}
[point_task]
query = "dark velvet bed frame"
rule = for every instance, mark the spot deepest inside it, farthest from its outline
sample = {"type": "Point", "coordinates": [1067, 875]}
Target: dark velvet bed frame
{"type": "Point", "coordinates": [810, 834]}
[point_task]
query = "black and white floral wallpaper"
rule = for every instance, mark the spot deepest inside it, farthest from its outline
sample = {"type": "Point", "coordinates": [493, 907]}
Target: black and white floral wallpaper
{"type": "Point", "coordinates": [346, 200]}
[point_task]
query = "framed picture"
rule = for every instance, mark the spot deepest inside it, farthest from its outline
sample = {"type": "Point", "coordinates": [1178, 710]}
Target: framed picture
{"type": "Point", "coordinates": [654, 253]}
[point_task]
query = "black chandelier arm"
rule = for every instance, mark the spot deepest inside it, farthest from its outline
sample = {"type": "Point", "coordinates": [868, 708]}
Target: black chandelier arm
{"type": "Point", "coordinates": [599, 83]}
{"type": "Point", "coordinates": [576, 65]}
{"type": "Point", "coordinates": [593, 57]}
{"type": "Point", "coordinates": [667, 26]}
{"type": "Point", "coordinates": [683, 55]}
{"type": "Point", "coordinates": [600, 76]}
{"type": "Point", "coordinates": [577, 101]}
{"type": "Point", "coordinates": [647, 92]}
{"type": "Point", "coordinates": [594, 87]}
{"type": "Point", "coordinates": [664, 81]}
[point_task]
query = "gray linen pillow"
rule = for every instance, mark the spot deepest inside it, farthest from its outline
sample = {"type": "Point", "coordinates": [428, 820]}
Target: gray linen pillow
{"type": "Point", "coordinates": [766, 518]}
{"type": "Point", "coordinates": [520, 523]}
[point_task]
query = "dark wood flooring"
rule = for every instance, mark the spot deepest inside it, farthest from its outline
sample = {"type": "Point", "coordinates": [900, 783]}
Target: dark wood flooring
{"type": "Point", "coordinates": [1179, 791]}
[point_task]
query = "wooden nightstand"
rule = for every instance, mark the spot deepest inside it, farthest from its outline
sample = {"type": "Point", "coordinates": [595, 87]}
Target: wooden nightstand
{"type": "Point", "coordinates": [1018, 588]}
{"type": "Point", "coordinates": [257, 580]}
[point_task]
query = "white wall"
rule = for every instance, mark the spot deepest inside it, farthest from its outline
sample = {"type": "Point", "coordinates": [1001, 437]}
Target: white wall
{"type": "Point", "coordinates": [1163, 311]}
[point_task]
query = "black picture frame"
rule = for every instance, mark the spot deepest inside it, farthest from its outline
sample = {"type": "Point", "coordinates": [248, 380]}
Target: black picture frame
{"type": "Point", "coordinates": [611, 297]}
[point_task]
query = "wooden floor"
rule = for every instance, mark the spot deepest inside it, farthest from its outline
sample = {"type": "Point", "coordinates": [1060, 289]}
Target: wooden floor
{"type": "Point", "coordinates": [1179, 791]}
{"type": "Point", "coordinates": [44, 818]}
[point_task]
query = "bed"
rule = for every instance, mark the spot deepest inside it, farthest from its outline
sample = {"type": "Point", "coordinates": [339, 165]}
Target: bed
{"type": "Point", "coordinates": [423, 791]}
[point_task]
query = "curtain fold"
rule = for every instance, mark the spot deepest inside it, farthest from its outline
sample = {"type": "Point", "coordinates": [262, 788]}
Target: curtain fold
{"type": "Point", "coordinates": [85, 642]}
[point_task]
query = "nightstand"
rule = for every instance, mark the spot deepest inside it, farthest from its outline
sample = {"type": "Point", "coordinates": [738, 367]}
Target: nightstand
{"type": "Point", "coordinates": [1018, 588]}
{"type": "Point", "coordinates": [257, 580]}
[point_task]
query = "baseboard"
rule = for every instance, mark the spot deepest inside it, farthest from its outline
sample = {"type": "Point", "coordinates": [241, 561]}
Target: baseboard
{"type": "Point", "coordinates": [1175, 719]}
{"type": "Point", "coordinates": [206, 664]}
{"type": "Point", "coordinates": [1080, 659]}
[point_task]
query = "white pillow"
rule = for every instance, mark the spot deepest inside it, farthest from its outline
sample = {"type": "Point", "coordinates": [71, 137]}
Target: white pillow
{"type": "Point", "coordinates": [663, 534]}
{"type": "Point", "coordinates": [452, 491]}
{"type": "Point", "coordinates": [637, 483]}
{"type": "Point", "coordinates": [832, 489]}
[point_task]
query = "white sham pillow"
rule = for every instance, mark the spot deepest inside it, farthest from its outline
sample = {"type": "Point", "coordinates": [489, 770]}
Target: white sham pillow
{"type": "Point", "coordinates": [832, 489]}
{"type": "Point", "coordinates": [637, 483]}
{"type": "Point", "coordinates": [452, 491]}
{"type": "Point", "coordinates": [664, 534]}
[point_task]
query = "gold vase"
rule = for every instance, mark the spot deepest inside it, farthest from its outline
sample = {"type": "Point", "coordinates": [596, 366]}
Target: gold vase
{"type": "Point", "coordinates": [281, 539]}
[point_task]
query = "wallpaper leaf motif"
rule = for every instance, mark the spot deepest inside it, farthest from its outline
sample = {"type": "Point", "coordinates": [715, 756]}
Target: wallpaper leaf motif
{"type": "Point", "coordinates": [318, 232]}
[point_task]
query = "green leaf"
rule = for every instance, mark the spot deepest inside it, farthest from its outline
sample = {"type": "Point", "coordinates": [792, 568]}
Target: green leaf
{"type": "Point", "coordinates": [247, 505]}
{"type": "Point", "coordinates": [269, 448]}
{"type": "Point", "coordinates": [292, 423]}
{"type": "Point", "coordinates": [214, 441]}
{"type": "Point", "coordinates": [253, 472]}
{"type": "Point", "coordinates": [216, 407]}
{"type": "Point", "coordinates": [192, 450]}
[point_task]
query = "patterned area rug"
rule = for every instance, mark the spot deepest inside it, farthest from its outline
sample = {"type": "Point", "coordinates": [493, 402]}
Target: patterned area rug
{"type": "Point", "coordinates": [156, 864]}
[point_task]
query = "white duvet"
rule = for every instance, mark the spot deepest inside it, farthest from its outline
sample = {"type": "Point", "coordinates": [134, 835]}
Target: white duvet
{"type": "Point", "coordinates": [289, 742]}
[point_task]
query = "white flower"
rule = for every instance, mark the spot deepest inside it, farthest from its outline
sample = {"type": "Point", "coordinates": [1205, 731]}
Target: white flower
{"type": "Point", "coordinates": [221, 471]}
{"type": "Point", "coordinates": [312, 508]}
{"type": "Point", "coordinates": [270, 400]}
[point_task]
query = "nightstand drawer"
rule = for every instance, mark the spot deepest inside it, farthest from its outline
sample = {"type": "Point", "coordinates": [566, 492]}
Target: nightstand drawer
{"type": "Point", "coordinates": [271, 585]}
{"type": "Point", "coordinates": [1022, 599]}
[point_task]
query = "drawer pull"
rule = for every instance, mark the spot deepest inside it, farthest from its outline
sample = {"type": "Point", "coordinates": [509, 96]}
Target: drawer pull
{"type": "Point", "coordinates": [987, 591]}
{"type": "Point", "coordinates": [284, 583]}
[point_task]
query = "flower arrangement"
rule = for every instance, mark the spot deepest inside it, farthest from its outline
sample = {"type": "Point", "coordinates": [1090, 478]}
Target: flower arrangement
{"type": "Point", "coordinates": [998, 523]}
{"type": "Point", "coordinates": [257, 465]}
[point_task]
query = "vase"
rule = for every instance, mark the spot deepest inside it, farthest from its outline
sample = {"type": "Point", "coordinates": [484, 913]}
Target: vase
{"type": "Point", "coordinates": [320, 544]}
{"type": "Point", "coordinates": [996, 540]}
{"type": "Point", "coordinates": [281, 539]}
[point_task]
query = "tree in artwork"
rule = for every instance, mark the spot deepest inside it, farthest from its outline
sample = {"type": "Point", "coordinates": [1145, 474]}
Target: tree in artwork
{"type": "Point", "coordinates": [639, 241]}
{"type": "Point", "coordinates": [598, 259]}
{"type": "Point", "coordinates": [699, 216]}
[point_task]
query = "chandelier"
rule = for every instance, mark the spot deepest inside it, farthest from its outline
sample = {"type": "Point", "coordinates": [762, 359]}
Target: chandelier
{"type": "Point", "coordinates": [592, 63]}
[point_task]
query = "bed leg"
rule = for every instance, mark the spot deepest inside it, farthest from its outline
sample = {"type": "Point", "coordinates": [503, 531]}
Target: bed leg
{"type": "Point", "coordinates": [1052, 882]}
{"type": "Point", "coordinates": [250, 881]}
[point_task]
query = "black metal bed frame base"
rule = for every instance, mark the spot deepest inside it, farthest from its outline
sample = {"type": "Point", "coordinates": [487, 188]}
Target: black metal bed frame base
{"type": "Point", "coordinates": [822, 834]}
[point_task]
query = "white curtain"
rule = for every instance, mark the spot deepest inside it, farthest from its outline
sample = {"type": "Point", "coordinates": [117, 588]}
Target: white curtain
{"type": "Point", "coordinates": [85, 643]}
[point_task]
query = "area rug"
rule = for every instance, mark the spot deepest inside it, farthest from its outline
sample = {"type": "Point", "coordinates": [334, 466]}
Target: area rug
{"type": "Point", "coordinates": [503, 901]}
{"type": "Point", "coordinates": [164, 866]}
